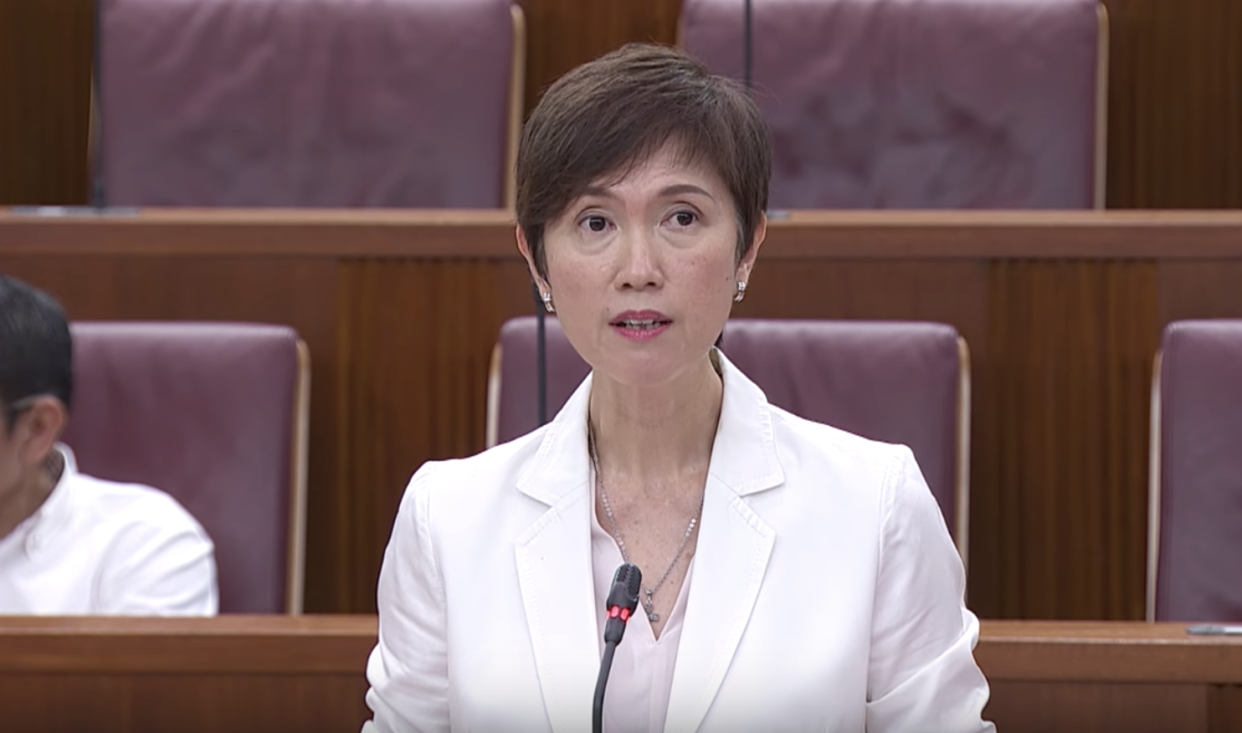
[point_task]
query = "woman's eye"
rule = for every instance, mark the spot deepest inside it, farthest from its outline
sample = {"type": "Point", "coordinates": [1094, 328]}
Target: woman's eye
{"type": "Point", "coordinates": [595, 223]}
{"type": "Point", "coordinates": [684, 218]}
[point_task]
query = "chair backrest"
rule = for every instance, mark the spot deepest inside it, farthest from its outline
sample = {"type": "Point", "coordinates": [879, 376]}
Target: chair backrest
{"type": "Point", "coordinates": [512, 390]}
{"type": "Point", "coordinates": [216, 416]}
{"type": "Point", "coordinates": [310, 103]}
{"type": "Point", "coordinates": [1195, 513]}
{"type": "Point", "coordinates": [899, 382]}
{"type": "Point", "coordinates": [921, 105]}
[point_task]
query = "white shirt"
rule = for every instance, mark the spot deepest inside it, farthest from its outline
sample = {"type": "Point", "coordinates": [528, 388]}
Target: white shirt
{"type": "Point", "coordinates": [101, 548]}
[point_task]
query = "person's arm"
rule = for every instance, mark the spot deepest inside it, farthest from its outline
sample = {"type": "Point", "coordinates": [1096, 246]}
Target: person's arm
{"type": "Point", "coordinates": [163, 565]}
{"type": "Point", "coordinates": [408, 670]}
{"type": "Point", "coordinates": [922, 676]}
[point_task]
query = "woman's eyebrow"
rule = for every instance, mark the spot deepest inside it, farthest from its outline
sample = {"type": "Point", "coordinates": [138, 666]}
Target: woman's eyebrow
{"type": "Point", "coordinates": [676, 189]}
{"type": "Point", "coordinates": [598, 192]}
{"type": "Point", "coordinates": [681, 189]}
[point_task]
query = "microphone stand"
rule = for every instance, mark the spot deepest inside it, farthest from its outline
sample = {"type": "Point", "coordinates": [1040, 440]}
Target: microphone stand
{"type": "Point", "coordinates": [97, 198]}
{"type": "Point", "coordinates": [622, 600]}
{"type": "Point", "coordinates": [747, 43]}
{"type": "Point", "coordinates": [541, 357]}
{"type": "Point", "coordinates": [605, 666]}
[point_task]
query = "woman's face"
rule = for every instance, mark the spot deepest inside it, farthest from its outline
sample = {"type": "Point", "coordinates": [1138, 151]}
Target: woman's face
{"type": "Point", "coordinates": [643, 270]}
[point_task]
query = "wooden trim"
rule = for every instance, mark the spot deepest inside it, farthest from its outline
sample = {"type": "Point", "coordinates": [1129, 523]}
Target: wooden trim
{"type": "Point", "coordinates": [1105, 652]}
{"type": "Point", "coordinates": [494, 385]}
{"type": "Point", "coordinates": [1153, 489]}
{"type": "Point", "coordinates": [517, 100]}
{"type": "Point", "coordinates": [225, 644]}
{"type": "Point", "coordinates": [300, 456]}
{"type": "Point", "coordinates": [961, 520]}
{"type": "Point", "coordinates": [489, 234]}
{"type": "Point", "coordinates": [1007, 650]}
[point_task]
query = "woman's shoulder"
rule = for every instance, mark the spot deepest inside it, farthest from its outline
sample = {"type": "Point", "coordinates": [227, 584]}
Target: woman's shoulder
{"type": "Point", "coordinates": [818, 441]}
{"type": "Point", "coordinates": [850, 471]}
{"type": "Point", "coordinates": [475, 477]}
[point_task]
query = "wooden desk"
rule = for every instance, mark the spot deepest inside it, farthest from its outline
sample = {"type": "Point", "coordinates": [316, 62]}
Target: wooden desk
{"type": "Point", "coordinates": [266, 674]}
{"type": "Point", "coordinates": [1062, 311]}
{"type": "Point", "coordinates": [238, 674]}
{"type": "Point", "coordinates": [1106, 677]}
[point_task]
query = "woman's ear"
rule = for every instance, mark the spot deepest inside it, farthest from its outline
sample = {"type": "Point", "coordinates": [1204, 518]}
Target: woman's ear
{"type": "Point", "coordinates": [524, 248]}
{"type": "Point", "coordinates": [747, 264]}
{"type": "Point", "coordinates": [39, 427]}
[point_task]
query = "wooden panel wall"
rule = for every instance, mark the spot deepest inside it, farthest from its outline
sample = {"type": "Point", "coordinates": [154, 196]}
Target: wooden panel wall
{"type": "Point", "coordinates": [45, 60]}
{"type": "Point", "coordinates": [241, 674]}
{"type": "Point", "coordinates": [399, 405]}
{"type": "Point", "coordinates": [1061, 443]}
{"type": "Point", "coordinates": [565, 33]}
{"type": "Point", "coordinates": [1174, 102]}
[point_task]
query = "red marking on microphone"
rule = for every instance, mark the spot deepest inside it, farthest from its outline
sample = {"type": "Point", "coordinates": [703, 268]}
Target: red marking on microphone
{"type": "Point", "coordinates": [619, 612]}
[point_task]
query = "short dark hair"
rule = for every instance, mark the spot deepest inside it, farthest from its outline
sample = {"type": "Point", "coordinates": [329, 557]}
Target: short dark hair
{"type": "Point", "coordinates": [36, 350]}
{"type": "Point", "coordinates": [609, 115]}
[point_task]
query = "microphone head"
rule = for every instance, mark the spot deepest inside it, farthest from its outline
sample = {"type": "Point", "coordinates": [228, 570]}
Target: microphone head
{"type": "Point", "coordinates": [626, 583]}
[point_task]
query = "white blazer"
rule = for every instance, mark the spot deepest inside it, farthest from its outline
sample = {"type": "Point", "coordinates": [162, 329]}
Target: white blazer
{"type": "Point", "coordinates": [826, 594]}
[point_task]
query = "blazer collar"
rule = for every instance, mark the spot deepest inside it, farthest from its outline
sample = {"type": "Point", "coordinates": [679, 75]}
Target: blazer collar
{"type": "Point", "coordinates": [744, 453]}
{"type": "Point", "coordinates": [555, 570]}
{"type": "Point", "coordinates": [57, 510]}
{"type": "Point", "coordinates": [555, 567]}
{"type": "Point", "coordinates": [733, 549]}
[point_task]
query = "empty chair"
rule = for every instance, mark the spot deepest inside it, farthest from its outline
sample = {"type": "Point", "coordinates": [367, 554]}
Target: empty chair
{"type": "Point", "coordinates": [310, 103]}
{"type": "Point", "coordinates": [216, 416]}
{"type": "Point", "coordinates": [513, 383]}
{"type": "Point", "coordinates": [1195, 514]}
{"type": "Point", "coordinates": [902, 383]}
{"type": "Point", "coordinates": [936, 104]}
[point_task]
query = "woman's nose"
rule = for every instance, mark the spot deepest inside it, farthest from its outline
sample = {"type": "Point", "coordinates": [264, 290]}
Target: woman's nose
{"type": "Point", "coordinates": [640, 262]}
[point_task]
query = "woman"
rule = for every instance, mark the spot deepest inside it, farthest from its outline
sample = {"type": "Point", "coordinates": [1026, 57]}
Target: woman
{"type": "Point", "coordinates": [796, 577]}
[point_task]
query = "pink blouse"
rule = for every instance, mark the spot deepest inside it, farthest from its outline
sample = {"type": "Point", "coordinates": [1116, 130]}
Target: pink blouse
{"type": "Point", "coordinates": [641, 679]}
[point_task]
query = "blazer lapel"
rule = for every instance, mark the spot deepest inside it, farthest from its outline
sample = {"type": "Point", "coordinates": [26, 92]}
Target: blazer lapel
{"type": "Point", "coordinates": [732, 554]}
{"type": "Point", "coordinates": [555, 570]}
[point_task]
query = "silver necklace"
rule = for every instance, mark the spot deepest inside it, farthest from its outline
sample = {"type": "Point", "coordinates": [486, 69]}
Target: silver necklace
{"type": "Point", "coordinates": [649, 591]}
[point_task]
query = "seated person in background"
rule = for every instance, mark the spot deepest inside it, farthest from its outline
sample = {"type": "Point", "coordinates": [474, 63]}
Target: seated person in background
{"type": "Point", "coordinates": [71, 544]}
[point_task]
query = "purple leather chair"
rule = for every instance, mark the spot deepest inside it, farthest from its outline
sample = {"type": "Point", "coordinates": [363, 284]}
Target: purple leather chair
{"type": "Point", "coordinates": [921, 105]}
{"type": "Point", "coordinates": [216, 416]}
{"type": "Point", "coordinates": [1195, 514]}
{"type": "Point", "coordinates": [310, 103]}
{"type": "Point", "coordinates": [905, 383]}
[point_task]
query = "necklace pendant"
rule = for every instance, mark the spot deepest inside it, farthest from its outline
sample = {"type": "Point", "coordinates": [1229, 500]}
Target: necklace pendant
{"type": "Point", "coordinates": [652, 616]}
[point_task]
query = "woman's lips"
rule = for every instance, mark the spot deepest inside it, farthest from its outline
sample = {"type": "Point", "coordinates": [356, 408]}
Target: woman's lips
{"type": "Point", "coordinates": [641, 325]}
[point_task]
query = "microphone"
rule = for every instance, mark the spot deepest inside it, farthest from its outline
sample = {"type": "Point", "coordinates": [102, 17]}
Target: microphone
{"type": "Point", "coordinates": [748, 60]}
{"type": "Point", "coordinates": [622, 600]}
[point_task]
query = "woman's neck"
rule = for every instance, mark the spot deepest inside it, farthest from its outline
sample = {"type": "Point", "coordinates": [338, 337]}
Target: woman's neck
{"type": "Point", "coordinates": [657, 432]}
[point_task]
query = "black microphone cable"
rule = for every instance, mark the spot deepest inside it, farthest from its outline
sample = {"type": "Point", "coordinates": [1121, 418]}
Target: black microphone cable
{"type": "Point", "coordinates": [747, 43]}
{"type": "Point", "coordinates": [541, 357]}
{"type": "Point", "coordinates": [97, 197]}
